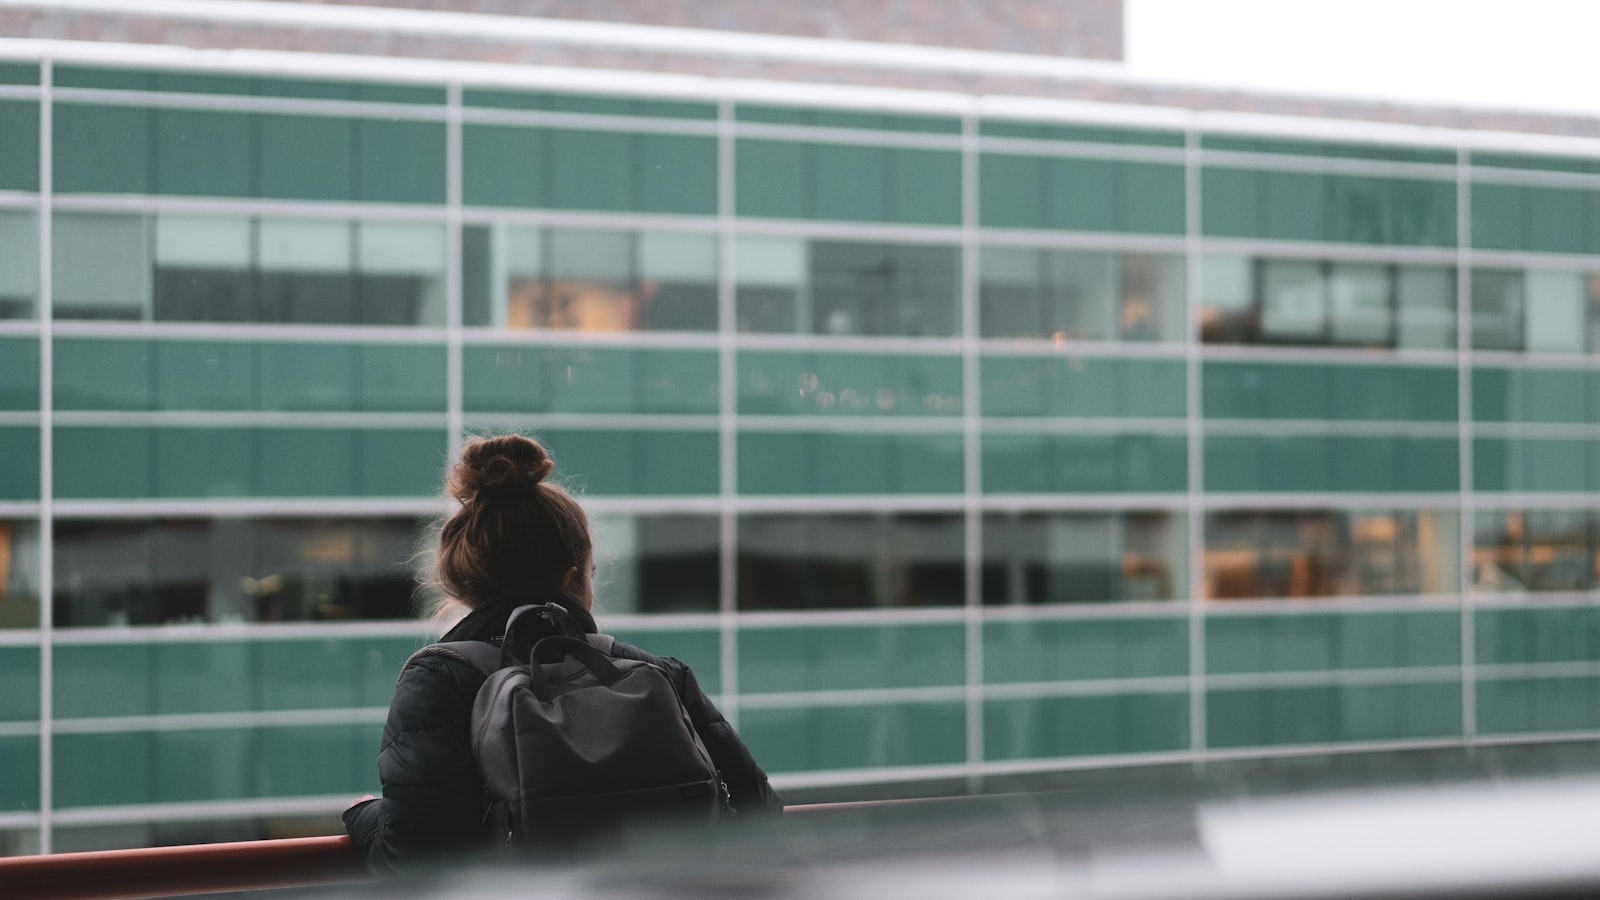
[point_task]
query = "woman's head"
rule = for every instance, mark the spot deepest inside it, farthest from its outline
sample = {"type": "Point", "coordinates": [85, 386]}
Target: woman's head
{"type": "Point", "coordinates": [515, 533]}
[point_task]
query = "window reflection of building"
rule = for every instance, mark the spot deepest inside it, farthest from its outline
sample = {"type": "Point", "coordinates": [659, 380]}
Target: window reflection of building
{"type": "Point", "coordinates": [1040, 557]}
{"type": "Point", "coordinates": [1536, 310]}
{"type": "Point", "coordinates": [137, 571]}
{"type": "Point", "coordinates": [848, 560]}
{"type": "Point", "coordinates": [1516, 550]}
{"type": "Point", "coordinates": [19, 263]}
{"type": "Point", "coordinates": [656, 564]}
{"type": "Point", "coordinates": [799, 285]}
{"type": "Point", "coordinates": [1080, 295]}
{"type": "Point", "coordinates": [19, 574]}
{"type": "Point", "coordinates": [1323, 553]}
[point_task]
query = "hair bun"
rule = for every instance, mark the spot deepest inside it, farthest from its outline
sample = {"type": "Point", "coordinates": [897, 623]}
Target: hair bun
{"type": "Point", "coordinates": [502, 466]}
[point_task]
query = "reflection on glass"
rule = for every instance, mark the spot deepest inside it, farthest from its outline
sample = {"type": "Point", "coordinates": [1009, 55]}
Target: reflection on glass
{"type": "Point", "coordinates": [19, 264]}
{"type": "Point", "coordinates": [184, 268]}
{"type": "Point", "coordinates": [1326, 553]}
{"type": "Point", "coordinates": [1078, 295]}
{"type": "Point", "coordinates": [19, 574]}
{"type": "Point", "coordinates": [840, 560]}
{"type": "Point", "coordinates": [795, 285]}
{"type": "Point", "coordinates": [656, 564]}
{"type": "Point", "coordinates": [1032, 558]}
{"type": "Point", "coordinates": [1534, 550]}
{"type": "Point", "coordinates": [1496, 309]}
{"type": "Point", "coordinates": [1555, 312]}
{"type": "Point", "coordinates": [139, 572]}
{"type": "Point", "coordinates": [1246, 300]}
{"type": "Point", "coordinates": [588, 279]}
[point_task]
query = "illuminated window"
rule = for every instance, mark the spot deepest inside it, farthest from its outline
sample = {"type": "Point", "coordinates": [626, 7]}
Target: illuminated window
{"type": "Point", "coordinates": [1328, 553]}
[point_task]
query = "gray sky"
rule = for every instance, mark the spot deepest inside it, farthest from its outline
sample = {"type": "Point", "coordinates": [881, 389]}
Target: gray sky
{"type": "Point", "coordinates": [1542, 54]}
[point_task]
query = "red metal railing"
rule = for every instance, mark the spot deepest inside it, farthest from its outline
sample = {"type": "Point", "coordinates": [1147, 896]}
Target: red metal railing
{"type": "Point", "coordinates": [169, 871]}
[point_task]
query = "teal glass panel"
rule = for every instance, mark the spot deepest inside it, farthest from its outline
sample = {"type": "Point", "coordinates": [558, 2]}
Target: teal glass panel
{"type": "Point", "coordinates": [1233, 463]}
{"type": "Point", "coordinates": [776, 463]}
{"type": "Point", "coordinates": [314, 760]}
{"type": "Point", "coordinates": [1538, 705]}
{"type": "Point", "coordinates": [19, 759]}
{"type": "Point", "coordinates": [1537, 635]}
{"type": "Point", "coordinates": [102, 149]}
{"type": "Point", "coordinates": [200, 375]}
{"type": "Point", "coordinates": [1492, 465]}
{"type": "Point", "coordinates": [676, 174]}
{"type": "Point", "coordinates": [677, 381]}
{"type": "Point", "coordinates": [106, 79]}
{"type": "Point", "coordinates": [1083, 463]}
{"type": "Point", "coordinates": [1340, 640]}
{"type": "Point", "coordinates": [1390, 211]}
{"type": "Point", "coordinates": [112, 769]}
{"type": "Point", "coordinates": [19, 373]}
{"type": "Point", "coordinates": [833, 118]}
{"type": "Point", "coordinates": [1550, 465]}
{"type": "Point", "coordinates": [1150, 198]}
{"type": "Point", "coordinates": [204, 677]}
{"type": "Point", "coordinates": [1043, 650]}
{"type": "Point", "coordinates": [1294, 205]}
{"type": "Point", "coordinates": [1256, 717]}
{"type": "Point", "coordinates": [375, 92]}
{"type": "Point", "coordinates": [767, 183]}
{"type": "Point", "coordinates": [502, 166]}
{"type": "Point", "coordinates": [504, 379]}
{"type": "Point", "coordinates": [1333, 463]}
{"type": "Point", "coordinates": [841, 384]}
{"type": "Point", "coordinates": [853, 657]}
{"type": "Point", "coordinates": [289, 144]}
{"type": "Point", "coordinates": [1041, 131]}
{"type": "Point", "coordinates": [19, 672]}
{"type": "Point", "coordinates": [1328, 149]}
{"type": "Point", "coordinates": [849, 463]}
{"type": "Point", "coordinates": [19, 477]}
{"type": "Point", "coordinates": [591, 104]}
{"type": "Point", "coordinates": [1010, 191]}
{"type": "Point", "coordinates": [307, 377]}
{"type": "Point", "coordinates": [856, 737]}
{"type": "Point", "coordinates": [850, 183]}
{"type": "Point", "coordinates": [700, 649]}
{"type": "Point", "coordinates": [1493, 394]}
{"type": "Point", "coordinates": [1232, 203]}
{"type": "Point", "coordinates": [19, 73]}
{"type": "Point", "coordinates": [378, 663]}
{"type": "Point", "coordinates": [205, 153]}
{"type": "Point", "coordinates": [1427, 393]}
{"type": "Point", "coordinates": [581, 379]}
{"type": "Point", "coordinates": [1148, 463]}
{"type": "Point", "coordinates": [1554, 219]}
{"type": "Point", "coordinates": [400, 162]}
{"type": "Point", "coordinates": [1430, 464]}
{"type": "Point", "coordinates": [1051, 727]}
{"type": "Point", "coordinates": [589, 170]}
{"type": "Point", "coordinates": [307, 674]}
{"type": "Point", "coordinates": [1539, 163]}
{"type": "Point", "coordinates": [1081, 194]}
{"type": "Point", "coordinates": [1552, 395]}
{"type": "Point", "coordinates": [19, 146]}
{"type": "Point", "coordinates": [203, 462]}
{"type": "Point", "coordinates": [393, 462]}
{"type": "Point", "coordinates": [1233, 390]}
{"type": "Point", "coordinates": [96, 680]}
{"type": "Point", "coordinates": [196, 766]}
{"type": "Point", "coordinates": [925, 187]}
{"type": "Point", "coordinates": [400, 378]}
{"type": "Point", "coordinates": [88, 373]}
{"type": "Point", "coordinates": [1243, 390]}
{"type": "Point", "coordinates": [1497, 216]}
{"type": "Point", "coordinates": [201, 83]}
{"type": "Point", "coordinates": [306, 462]}
{"type": "Point", "coordinates": [620, 462]}
{"type": "Point", "coordinates": [105, 463]}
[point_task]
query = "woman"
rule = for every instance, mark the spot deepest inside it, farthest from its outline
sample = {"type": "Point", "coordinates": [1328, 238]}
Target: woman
{"type": "Point", "coordinates": [515, 540]}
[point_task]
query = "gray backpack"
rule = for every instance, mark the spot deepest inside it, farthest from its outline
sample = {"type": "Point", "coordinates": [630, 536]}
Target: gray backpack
{"type": "Point", "coordinates": [575, 743]}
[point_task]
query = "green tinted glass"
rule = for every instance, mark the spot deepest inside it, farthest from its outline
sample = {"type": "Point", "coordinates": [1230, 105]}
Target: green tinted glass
{"type": "Point", "coordinates": [1538, 705]}
{"type": "Point", "coordinates": [108, 463]}
{"type": "Point", "coordinates": [647, 463]}
{"type": "Point", "coordinates": [400, 161]}
{"type": "Point", "coordinates": [1049, 727]}
{"type": "Point", "coordinates": [1041, 131]}
{"type": "Point", "coordinates": [286, 142]}
{"type": "Point", "coordinates": [1250, 717]}
{"type": "Point", "coordinates": [19, 373]}
{"type": "Point", "coordinates": [855, 737]}
{"type": "Point", "coordinates": [19, 477]}
{"type": "Point", "coordinates": [793, 658]}
{"type": "Point", "coordinates": [103, 149]}
{"type": "Point", "coordinates": [19, 758]}
{"type": "Point", "coordinates": [19, 145]}
{"type": "Point", "coordinates": [832, 462]}
{"type": "Point", "coordinates": [1327, 149]}
{"type": "Point", "coordinates": [1346, 640]}
{"type": "Point", "coordinates": [19, 671]}
{"type": "Point", "coordinates": [205, 153]}
{"type": "Point", "coordinates": [1529, 636]}
{"type": "Point", "coordinates": [1075, 649]}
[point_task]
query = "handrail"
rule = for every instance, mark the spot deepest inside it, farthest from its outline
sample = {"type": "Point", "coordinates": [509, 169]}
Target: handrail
{"type": "Point", "coordinates": [205, 868]}
{"type": "Point", "coordinates": [169, 871]}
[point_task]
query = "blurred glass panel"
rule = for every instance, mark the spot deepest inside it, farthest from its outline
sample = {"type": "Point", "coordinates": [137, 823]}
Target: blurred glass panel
{"type": "Point", "coordinates": [1293, 302]}
{"type": "Point", "coordinates": [1227, 301]}
{"type": "Point", "coordinates": [1080, 295]}
{"type": "Point", "coordinates": [19, 574]}
{"type": "Point", "coordinates": [1032, 558]}
{"type": "Point", "coordinates": [789, 285]}
{"type": "Point", "coordinates": [844, 560]}
{"type": "Point", "coordinates": [1426, 296]}
{"type": "Point", "coordinates": [136, 572]}
{"type": "Point", "coordinates": [1152, 299]}
{"type": "Point", "coordinates": [1359, 305]}
{"type": "Point", "coordinates": [1326, 553]}
{"type": "Point", "coordinates": [203, 269]}
{"type": "Point", "coordinates": [589, 280]}
{"type": "Point", "coordinates": [1496, 309]}
{"type": "Point", "coordinates": [1518, 550]}
{"type": "Point", "coordinates": [400, 269]}
{"type": "Point", "coordinates": [1555, 312]}
{"type": "Point", "coordinates": [19, 264]}
{"type": "Point", "coordinates": [117, 286]}
{"type": "Point", "coordinates": [656, 564]}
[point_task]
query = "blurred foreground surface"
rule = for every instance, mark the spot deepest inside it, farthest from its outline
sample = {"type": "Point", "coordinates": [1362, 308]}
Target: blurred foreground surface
{"type": "Point", "coordinates": [1397, 828]}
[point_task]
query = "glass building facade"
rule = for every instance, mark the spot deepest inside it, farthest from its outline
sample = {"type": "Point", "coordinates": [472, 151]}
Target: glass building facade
{"type": "Point", "coordinates": [942, 444]}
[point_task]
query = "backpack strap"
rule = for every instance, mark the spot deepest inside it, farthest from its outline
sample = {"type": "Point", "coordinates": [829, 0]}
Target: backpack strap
{"type": "Point", "coordinates": [601, 642]}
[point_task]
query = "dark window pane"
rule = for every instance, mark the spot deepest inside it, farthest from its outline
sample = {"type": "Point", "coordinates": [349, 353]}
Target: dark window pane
{"type": "Point", "coordinates": [843, 561]}
{"type": "Point", "coordinates": [1497, 310]}
{"type": "Point", "coordinates": [656, 564]}
{"type": "Point", "coordinates": [19, 264]}
{"type": "Point", "coordinates": [1031, 558]}
{"type": "Point", "coordinates": [19, 574]}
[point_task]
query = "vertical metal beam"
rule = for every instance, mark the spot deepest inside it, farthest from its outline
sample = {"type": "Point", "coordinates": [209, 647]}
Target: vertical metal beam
{"type": "Point", "coordinates": [46, 311]}
{"type": "Point", "coordinates": [1195, 518]}
{"type": "Point", "coordinates": [1464, 569]}
{"type": "Point", "coordinates": [971, 451]}
{"type": "Point", "coordinates": [453, 271]}
{"type": "Point", "coordinates": [727, 419]}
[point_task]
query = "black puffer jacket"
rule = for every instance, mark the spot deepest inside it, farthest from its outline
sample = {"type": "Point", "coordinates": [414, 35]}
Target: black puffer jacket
{"type": "Point", "coordinates": [433, 798]}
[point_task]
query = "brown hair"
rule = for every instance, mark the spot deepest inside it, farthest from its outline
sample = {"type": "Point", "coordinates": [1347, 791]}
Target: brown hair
{"type": "Point", "coordinates": [515, 532]}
